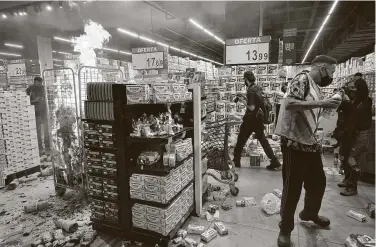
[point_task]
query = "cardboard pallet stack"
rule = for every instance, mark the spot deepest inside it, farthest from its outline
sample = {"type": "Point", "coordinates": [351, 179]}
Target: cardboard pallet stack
{"type": "Point", "coordinates": [18, 139]}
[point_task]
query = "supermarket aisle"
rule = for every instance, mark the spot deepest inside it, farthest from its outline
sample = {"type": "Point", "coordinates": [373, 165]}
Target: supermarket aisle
{"type": "Point", "coordinates": [251, 227]}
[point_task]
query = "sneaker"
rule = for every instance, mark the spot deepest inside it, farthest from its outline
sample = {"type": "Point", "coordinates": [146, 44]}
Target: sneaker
{"type": "Point", "coordinates": [274, 164]}
{"type": "Point", "coordinates": [349, 192]}
{"type": "Point", "coordinates": [344, 183]}
{"type": "Point", "coordinates": [284, 240]}
{"type": "Point", "coordinates": [318, 220]}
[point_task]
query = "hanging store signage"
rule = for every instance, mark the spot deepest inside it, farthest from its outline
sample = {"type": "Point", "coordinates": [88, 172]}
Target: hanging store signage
{"type": "Point", "coordinates": [16, 67]}
{"type": "Point", "coordinates": [289, 51]}
{"type": "Point", "coordinates": [290, 30]}
{"type": "Point", "coordinates": [250, 50]}
{"type": "Point", "coordinates": [148, 58]}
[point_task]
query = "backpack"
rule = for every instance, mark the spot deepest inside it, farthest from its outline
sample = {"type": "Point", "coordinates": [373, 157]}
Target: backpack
{"type": "Point", "coordinates": [265, 106]}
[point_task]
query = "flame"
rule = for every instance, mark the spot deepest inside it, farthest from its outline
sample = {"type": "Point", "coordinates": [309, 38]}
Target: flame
{"type": "Point", "coordinates": [93, 38]}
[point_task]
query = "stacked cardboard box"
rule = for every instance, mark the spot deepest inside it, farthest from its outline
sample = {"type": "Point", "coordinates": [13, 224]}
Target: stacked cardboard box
{"type": "Point", "coordinates": [18, 132]}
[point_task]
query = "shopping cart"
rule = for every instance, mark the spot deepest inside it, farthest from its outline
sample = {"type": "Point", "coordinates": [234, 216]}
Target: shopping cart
{"type": "Point", "coordinates": [215, 149]}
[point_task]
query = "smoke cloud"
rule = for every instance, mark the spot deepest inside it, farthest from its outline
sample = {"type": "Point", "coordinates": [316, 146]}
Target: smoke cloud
{"type": "Point", "coordinates": [93, 38]}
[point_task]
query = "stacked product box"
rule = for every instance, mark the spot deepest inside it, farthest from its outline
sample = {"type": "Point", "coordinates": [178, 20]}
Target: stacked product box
{"type": "Point", "coordinates": [161, 189]}
{"type": "Point", "coordinates": [18, 132]}
{"type": "Point", "coordinates": [157, 93]}
{"type": "Point", "coordinates": [163, 220]}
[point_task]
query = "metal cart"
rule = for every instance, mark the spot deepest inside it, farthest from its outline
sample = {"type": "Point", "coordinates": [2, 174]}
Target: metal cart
{"type": "Point", "coordinates": [215, 149]}
{"type": "Point", "coordinates": [63, 112]}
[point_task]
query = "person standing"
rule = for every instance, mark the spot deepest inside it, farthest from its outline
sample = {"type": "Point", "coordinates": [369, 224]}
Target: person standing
{"type": "Point", "coordinates": [298, 121]}
{"type": "Point", "coordinates": [253, 121]}
{"type": "Point", "coordinates": [360, 110]}
{"type": "Point", "coordinates": [37, 98]}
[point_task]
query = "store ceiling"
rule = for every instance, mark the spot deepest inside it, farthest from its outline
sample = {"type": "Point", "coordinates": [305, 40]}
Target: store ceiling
{"type": "Point", "coordinates": [349, 32]}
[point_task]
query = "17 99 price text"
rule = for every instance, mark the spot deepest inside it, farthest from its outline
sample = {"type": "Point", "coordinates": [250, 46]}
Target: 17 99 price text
{"type": "Point", "coordinates": [254, 55]}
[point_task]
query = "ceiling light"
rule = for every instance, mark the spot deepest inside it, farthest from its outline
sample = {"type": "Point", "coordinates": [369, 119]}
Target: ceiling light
{"type": "Point", "coordinates": [109, 49]}
{"type": "Point", "coordinates": [64, 53]}
{"type": "Point", "coordinates": [20, 13]}
{"type": "Point", "coordinates": [193, 55]}
{"type": "Point", "coordinates": [196, 24]}
{"type": "Point", "coordinates": [54, 51]}
{"type": "Point", "coordinates": [10, 54]}
{"type": "Point", "coordinates": [219, 39]}
{"type": "Point", "coordinates": [318, 33]}
{"type": "Point", "coordinates": [25, 13]}
{"type": "Point", "coordinates": [13, 45]}
{"type": "Point", "coordinates": [60, 4]}
{"type": "Point", "coordinates": [49, 7]}
{"type": "Point", "coordinates": [174, 48]}
{"type": "Point", "coordinates": [208, 32]}
{"type": "Point", "coordinates": [64, 40]}
{"type": "Point", "coordinates": [57, 60]}
{"type": "Point", "coordinates": [159, 43]}
{"type": "Point", "coordinates": [333, 6]}
{"type": "Point", "coordinates": [127, 32]}
{"type": "Point", "coordinates": [147, 39]}
{"type": "Point", "coordinates": [15, 13]}
{"type": "Point", "coordinates": [4, 16]}
{"type": "Point", "coordinates": [124, 52]}
{"type": "Point", "coordinates": [184, 51]}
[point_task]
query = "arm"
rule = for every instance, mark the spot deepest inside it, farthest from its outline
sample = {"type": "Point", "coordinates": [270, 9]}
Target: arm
{"type": "Point", "coordinates": [299, 105]}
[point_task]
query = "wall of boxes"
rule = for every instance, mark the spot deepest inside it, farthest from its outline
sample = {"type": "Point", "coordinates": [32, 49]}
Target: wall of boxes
{"type": "Point", "coordinates": [18, 136]}
{"type": "Point", "coordinates": [180, 65]}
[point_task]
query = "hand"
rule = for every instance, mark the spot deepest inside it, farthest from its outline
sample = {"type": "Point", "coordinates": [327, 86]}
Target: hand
{"type": "Point", "coordinates": [243, 101]}
{"type": "Point", "coordinates": [330, 103]}
{"type": "Point", "coordinates": [345, 98]}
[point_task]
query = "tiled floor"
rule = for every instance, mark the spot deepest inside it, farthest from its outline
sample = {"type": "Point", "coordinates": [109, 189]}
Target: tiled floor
{"type": "Point", "coordinates": [251, 227]}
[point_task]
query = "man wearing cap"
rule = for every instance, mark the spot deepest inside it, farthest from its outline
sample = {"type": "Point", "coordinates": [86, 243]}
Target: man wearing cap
{"type": "Point", "coordinates": [253, 122]}
{"type": "Point", "coordinates": [298, 122]}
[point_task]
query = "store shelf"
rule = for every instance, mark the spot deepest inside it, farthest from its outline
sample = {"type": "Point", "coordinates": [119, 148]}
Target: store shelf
{"type": "Point", "coordinates": [104, 222]}
{"type": "Point", "coordinates": [158, 204]}
{"type": "Point", "coordinates": [109, 122]}
{"type": "Point", "coordinates": [160, 103]}
{"type": "Point", "coordinates": [108, 229]}
{"type": "Point", "coordinates": [98, 149]}
{"type": "Point", "coordinates": [141, 233]}
{"type": "Point", "coordinates": [100, 198]}
{"type": "Point", "coordinates": [102, 176]}
{"type": "Point", "coordinates": [131, 139]}
{"type": "Point", "coordinates": [158, 171]}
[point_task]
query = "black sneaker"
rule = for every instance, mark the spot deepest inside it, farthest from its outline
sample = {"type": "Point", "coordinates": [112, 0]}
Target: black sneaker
{"type": "Point", "coordinates": [284, 240]}
{"type": "Point", "coordinates": [274, 164]}
{"type": "Point", "coordinates": [344, 184]}
{"type": "Point", "coordinates": [349, 192]}
{"type": "Point", "coordinates": [318, 220]}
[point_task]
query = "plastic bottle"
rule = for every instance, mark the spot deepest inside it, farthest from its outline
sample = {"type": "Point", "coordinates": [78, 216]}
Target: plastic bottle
{"type": "Point", "coordinates": [328, 113]}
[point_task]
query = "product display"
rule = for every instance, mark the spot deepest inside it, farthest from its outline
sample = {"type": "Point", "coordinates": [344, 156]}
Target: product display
{"type": "Point", "coordinates": [18, 135]}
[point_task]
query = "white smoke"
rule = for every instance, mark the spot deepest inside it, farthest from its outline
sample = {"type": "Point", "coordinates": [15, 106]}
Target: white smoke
{"type": "Point", "coordinates": [93, 38]}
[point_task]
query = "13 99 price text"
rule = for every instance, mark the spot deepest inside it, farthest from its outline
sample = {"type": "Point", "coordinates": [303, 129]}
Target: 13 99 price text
{"type": "Point", "coordinates": [255, 56]}
{"type": "Point", "coordinates": [154, 63]}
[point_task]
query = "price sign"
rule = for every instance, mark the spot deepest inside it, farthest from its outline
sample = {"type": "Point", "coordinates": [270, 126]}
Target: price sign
{"type": "Point", "coordinates": [248, 50]}
{"type": "Point", "coordinates": [147, 58]}
{"type": "Point", "coordinates": [16, 68]}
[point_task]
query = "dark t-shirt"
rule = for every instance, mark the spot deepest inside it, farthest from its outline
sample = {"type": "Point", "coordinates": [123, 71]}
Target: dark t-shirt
{"type": "Point", "coordinates": [37, 92]}
{"type": "Point", "coordinates": [254, 96]}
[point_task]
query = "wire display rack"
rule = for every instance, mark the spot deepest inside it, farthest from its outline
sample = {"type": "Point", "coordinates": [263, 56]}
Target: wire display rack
{"type": "Point", "coordinates": [63, 112]}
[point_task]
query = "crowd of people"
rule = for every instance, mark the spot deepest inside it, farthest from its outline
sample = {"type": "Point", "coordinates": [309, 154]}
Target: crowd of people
{"type": "Point", "coordinates": [299, 117]}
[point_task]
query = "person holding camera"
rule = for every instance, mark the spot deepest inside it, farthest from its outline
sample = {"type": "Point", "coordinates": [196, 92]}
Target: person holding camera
{"type": "Point", "coordinates": [253, 121]}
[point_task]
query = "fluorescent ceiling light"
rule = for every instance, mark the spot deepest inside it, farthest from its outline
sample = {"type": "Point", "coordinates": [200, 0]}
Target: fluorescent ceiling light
{"type": "Point", "coordinates": [333, 6]}
{"type": "Point", "coordinates": [64, 40]}
{"type": "Point", "coordinates": [147, 39]}
{"type": "Point", "coordinates": [193, 55]}
{"type": "Point", "coordinates": [49, 7]}
{"type": "Point", "coordinates": [64, 53]}
{"type": "Point", "coordinates": [206, 31]}
{"type": "Point", "coordinates": [128, 32]}
{"type": "Point", "coordinates": [10, 54]}
{"type": "Point", "coordinates": [174, 48]}
{"type": "Point", "coordinates": [13, 45]}
{"type": "Point", "coordinates": [54, 51]}
{"type": "Point", "coordinates": [4, 16]}
{"type": "Point", "coordinates": [196, 24]}
{"type": "Point", "coordinates": [185, 52]}
{"type": "Point", "coordinates": [124, 52]}
{"type": "Point", "coordinates": [109, 49]}
{"type": "Point", "coordinates": [322, 26]}
{"type": "Point", "coordinates": [159, 43]}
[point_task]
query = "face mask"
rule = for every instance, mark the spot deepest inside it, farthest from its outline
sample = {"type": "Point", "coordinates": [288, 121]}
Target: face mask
{"type": "Point", "coordinates": [326, 80]}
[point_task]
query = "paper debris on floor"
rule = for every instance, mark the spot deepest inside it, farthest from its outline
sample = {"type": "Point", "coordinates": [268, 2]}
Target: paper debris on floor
{"type": "Point", "coordinates": [357, 216]}
{"type": "Point", "coordinates": [270, 204]}
{"type": "Point", "coordinates": [358, 240]}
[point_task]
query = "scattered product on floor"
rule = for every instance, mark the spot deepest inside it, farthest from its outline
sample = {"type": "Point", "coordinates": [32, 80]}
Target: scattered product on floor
{"type": "Point", "coordinates": [278, 193]}
{"type": "Point", "coordinates": [270, 204]}
{"type": "Point", "coordinates": [358, 240]}
{"type": "Point", "coordinates": [370, 209]}
{"type": "Point", "coordinates": [357, 216]}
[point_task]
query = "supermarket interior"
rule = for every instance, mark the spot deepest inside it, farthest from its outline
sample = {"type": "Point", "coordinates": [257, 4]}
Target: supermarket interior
{"type": "Point", "coordinates": [187, 123]}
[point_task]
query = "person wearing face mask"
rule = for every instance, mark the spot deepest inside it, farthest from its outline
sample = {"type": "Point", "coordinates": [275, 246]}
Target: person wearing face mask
{"type": "Point", "coordinates": [253, 122]}
{"type": "Point", "coordinates": [359, 108]}
{"type": "Point", "coordinates": [37, 98]}
{"type": "Point", "coordinates": [298, 122]}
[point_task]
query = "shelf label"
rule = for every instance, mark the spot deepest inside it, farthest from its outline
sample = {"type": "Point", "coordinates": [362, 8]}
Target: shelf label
{"type": "Point", "coordinates": [16, 67]}
{"type": "Point", "coordinates": [251, 50]}
{"type": "Point", "coordinates": [148, 58]}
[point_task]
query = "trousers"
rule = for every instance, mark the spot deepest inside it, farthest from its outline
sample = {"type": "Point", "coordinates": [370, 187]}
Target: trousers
{"type": "Point", "coordinates": [358, 148]}
{"type": "Point", "coordinates": [246, 129]}
{"type": "Point", "coordinates": [301, 168]}
{"type": "Point", "coordinates": [41, 123]}
{"type": "Point", "coordinates": [343, 156]}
